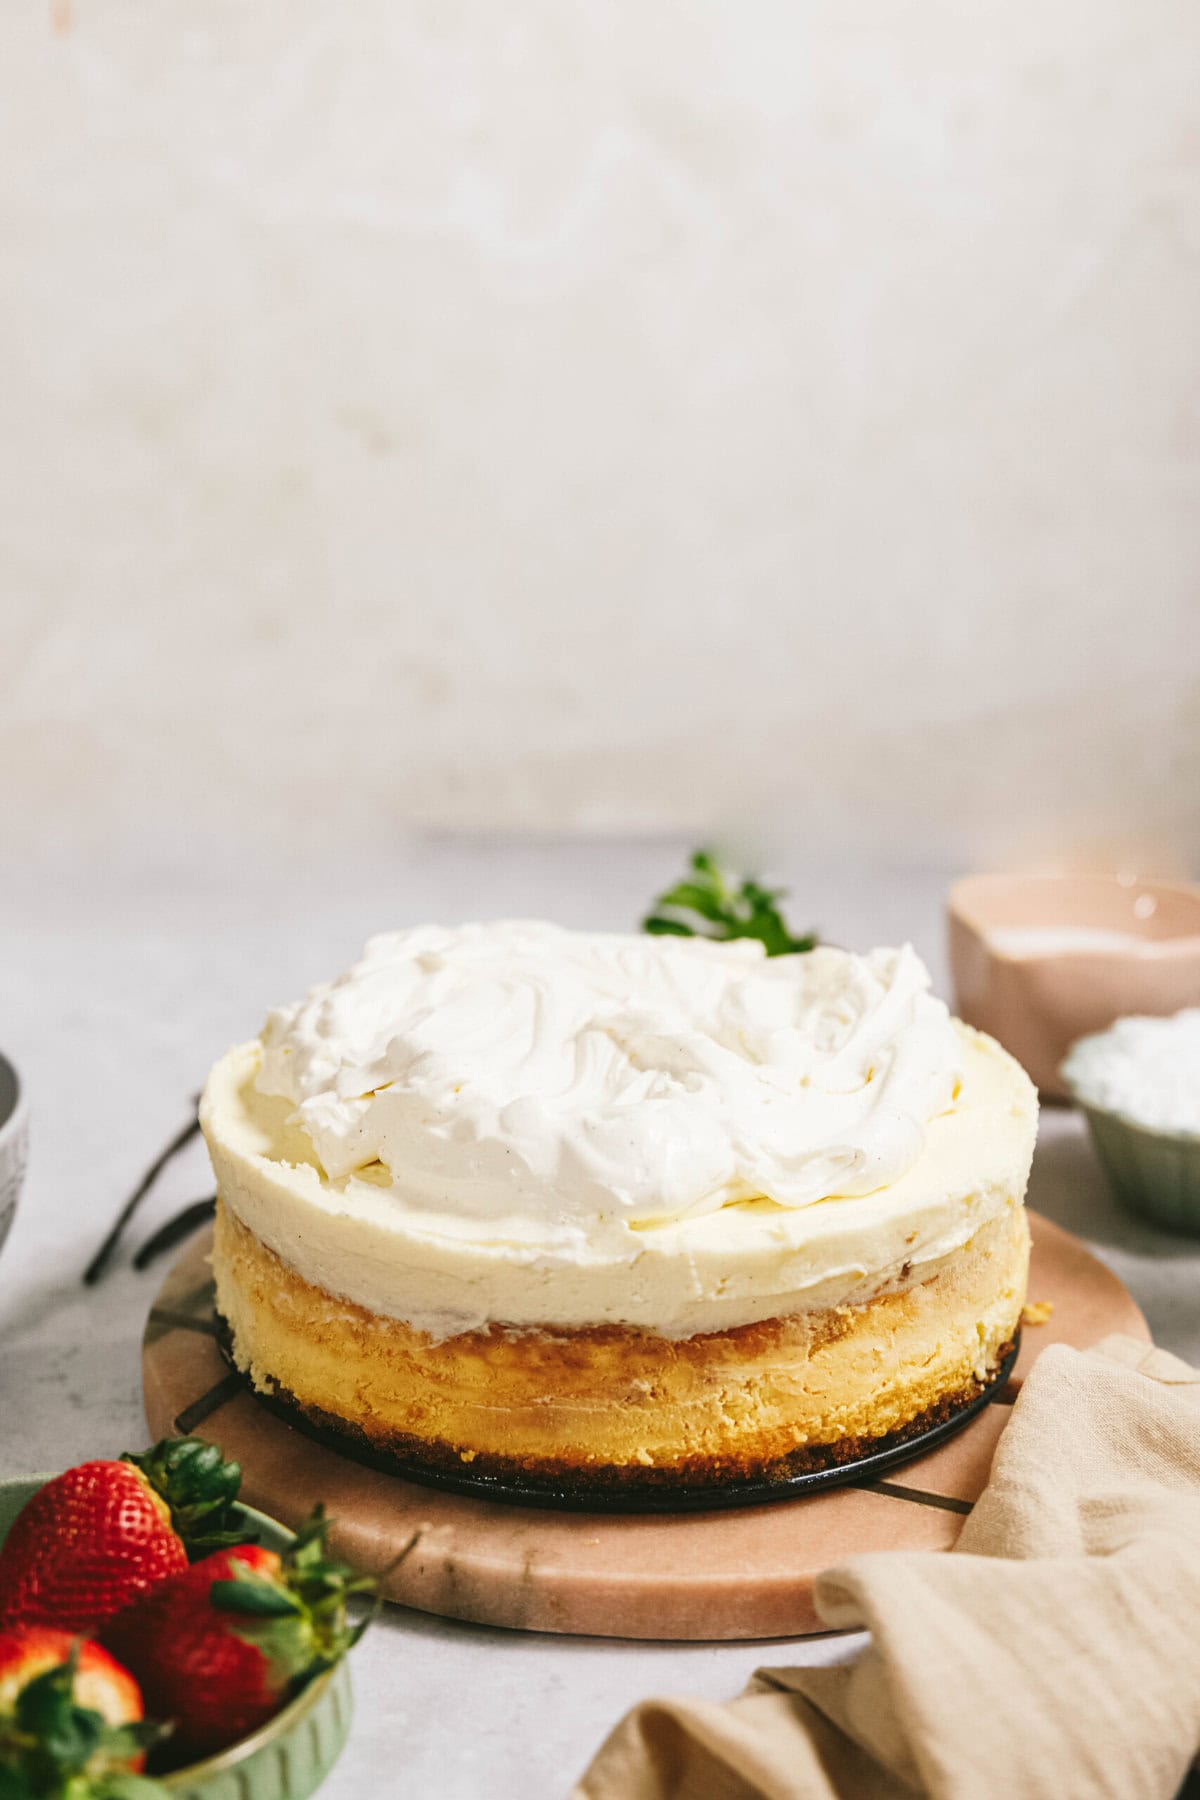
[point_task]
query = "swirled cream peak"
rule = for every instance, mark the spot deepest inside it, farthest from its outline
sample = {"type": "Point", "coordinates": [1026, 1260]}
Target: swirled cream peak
{"type": "Point", "coordinates": [545, 1084]}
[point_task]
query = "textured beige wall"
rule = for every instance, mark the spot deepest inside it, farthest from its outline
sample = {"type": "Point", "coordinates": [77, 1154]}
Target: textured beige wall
{"type": "Point", "coordinates": [603, 416]}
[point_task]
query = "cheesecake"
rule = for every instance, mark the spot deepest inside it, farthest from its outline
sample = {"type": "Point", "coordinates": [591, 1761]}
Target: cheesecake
{"type": "Point", "coordinates": [619, 1211]}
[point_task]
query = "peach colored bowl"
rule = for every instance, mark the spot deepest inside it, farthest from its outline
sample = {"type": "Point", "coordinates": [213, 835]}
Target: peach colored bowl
{"type": "Point", "coordinates": [1038, 998]}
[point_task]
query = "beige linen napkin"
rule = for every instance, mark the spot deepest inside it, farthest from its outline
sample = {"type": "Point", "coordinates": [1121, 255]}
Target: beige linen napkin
{"type": "Point", "coordinates": [1054, 1653]}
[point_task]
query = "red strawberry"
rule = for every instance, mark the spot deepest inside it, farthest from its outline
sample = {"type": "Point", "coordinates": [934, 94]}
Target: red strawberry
{"type": "Point", "coordinates": [219, 1648]}
{"type": "Point", "coordinates": [98, 1537]}
{"type": "Point", "coordinates": [70, 1716]}
{"type": "Point", "coordinates": [101, 1684]}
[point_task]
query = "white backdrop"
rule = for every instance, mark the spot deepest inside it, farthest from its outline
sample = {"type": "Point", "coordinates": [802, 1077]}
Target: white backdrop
{"type": "Point", "coordinates": [769, 417]}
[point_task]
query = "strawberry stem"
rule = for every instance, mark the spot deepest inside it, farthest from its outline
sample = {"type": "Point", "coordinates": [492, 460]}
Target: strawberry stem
{"type": "Point", "coordinates": [200, 1488]}
{"type": "Point", "coordinates": [299, 1617]}
{"type": "Point", "coordinates": [50, 1746]}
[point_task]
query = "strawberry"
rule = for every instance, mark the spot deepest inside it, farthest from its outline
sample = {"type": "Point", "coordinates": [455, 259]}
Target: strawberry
{"type": "Point", "coordinates": [70, 1720]}
{"type": "Point", "coordinates": [100, 1682]}
{"type": "Point", "coordinates": [95, 1539]}
{"type": "Point", "coordinates": [221, 1646]}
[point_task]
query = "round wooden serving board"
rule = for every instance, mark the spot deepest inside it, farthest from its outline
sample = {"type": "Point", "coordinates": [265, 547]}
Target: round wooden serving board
{"type": "Point", "coordinates": [743, 1574]}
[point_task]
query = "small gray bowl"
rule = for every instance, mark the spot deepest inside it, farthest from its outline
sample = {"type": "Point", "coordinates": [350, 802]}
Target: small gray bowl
{"type": "Point", "coordinates": [14, 1144]}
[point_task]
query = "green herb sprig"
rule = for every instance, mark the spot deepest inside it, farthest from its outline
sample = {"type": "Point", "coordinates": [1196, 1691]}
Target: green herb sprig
{"type": "Point", "coordinates": [709, 904]}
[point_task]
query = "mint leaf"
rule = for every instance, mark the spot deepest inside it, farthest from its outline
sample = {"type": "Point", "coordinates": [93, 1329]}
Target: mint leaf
{"type": "Point", "coordinates": [709, 903]}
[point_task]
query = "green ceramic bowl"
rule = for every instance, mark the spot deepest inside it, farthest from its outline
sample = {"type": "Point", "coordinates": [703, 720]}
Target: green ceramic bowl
{"type": "Point", "coordinates": [291, 1755]}
{"type": "Point", "coordinates": [1155, 1173]}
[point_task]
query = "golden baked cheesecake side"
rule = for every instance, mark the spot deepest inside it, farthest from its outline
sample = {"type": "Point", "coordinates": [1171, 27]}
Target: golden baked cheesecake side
{"type": "Point", "coordinates": [430, 1306]}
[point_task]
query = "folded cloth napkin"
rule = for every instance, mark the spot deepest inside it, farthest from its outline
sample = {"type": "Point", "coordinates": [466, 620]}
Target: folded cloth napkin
{"type": "Point", "coordinates": [1054, 1653]}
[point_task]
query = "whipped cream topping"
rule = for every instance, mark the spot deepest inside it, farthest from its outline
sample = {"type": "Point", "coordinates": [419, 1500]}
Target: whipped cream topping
{"type": "Point", "coordinates": [1146, 1068]}
{"type": "Point", "coordinates": [519, 1082]}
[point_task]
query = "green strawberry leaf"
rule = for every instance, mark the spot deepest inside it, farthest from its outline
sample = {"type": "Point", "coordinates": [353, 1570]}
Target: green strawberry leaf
{"type": "Point", "coordinates": [66, 1736]}
{"type": "Point", "coordinates": [122, 1743]}
{"type": "Point", "coordinates": [200, 1488]}
{"type": "Point", "coordinates": [255, 1597]}
{"type": "Point", "coordinates": [300, 1618]}
{"type": "Point", "coordinates": [51, 1748]}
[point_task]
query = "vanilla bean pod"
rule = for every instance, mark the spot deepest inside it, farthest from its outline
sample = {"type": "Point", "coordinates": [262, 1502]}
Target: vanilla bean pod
{"type": "Point", "coordinates": [104, 1254]}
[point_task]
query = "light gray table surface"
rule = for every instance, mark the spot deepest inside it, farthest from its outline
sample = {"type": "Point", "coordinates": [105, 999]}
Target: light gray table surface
{"type": "Point", "coordinates": [119, 984]}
